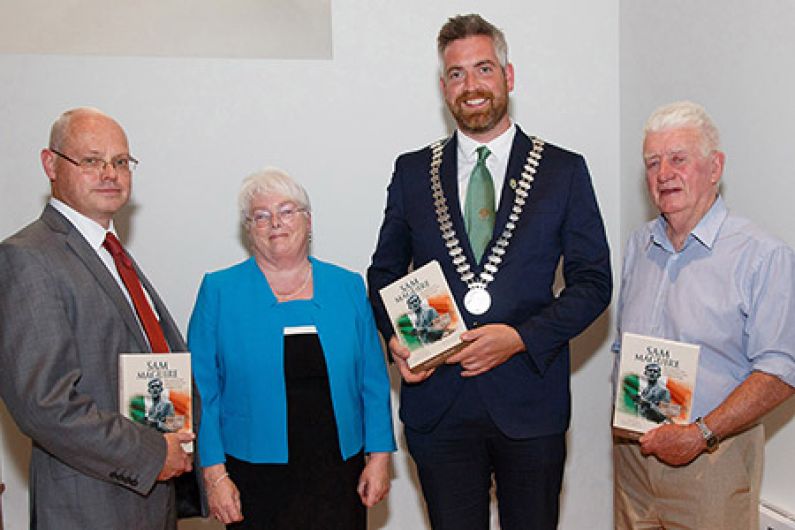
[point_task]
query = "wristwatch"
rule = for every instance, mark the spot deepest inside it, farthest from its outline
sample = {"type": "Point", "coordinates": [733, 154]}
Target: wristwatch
{"type": "Point", "coordinates": [709, 436]}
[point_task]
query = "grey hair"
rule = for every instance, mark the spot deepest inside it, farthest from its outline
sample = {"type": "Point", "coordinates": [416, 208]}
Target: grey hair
{"type": "Point", "coordinates": [685, 114]}
{"type": "Point", "coordinates": [60, 127]}
{"type": "Point", "coordinates": [268, 181]}
{"type": "Point", "coordinates": [463, 26]}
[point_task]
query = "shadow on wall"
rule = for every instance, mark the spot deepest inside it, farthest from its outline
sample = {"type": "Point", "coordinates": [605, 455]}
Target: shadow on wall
{"type": "Point", "coordinates": [778, 418]}
{"type": "Point", "coordinates": [584, 346]}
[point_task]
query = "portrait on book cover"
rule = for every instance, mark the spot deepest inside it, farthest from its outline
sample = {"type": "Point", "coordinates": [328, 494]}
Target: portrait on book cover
{"type": "Point", "coordinates": [654, 396]}
{"type": "Point", "coordinates": [426, 320]}
{"type": "Point", "coordinates": [167, 410]}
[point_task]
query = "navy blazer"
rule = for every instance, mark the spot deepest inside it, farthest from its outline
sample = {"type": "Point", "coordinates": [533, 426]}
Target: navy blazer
{"type": "Point", "coordinates": [527, 396]}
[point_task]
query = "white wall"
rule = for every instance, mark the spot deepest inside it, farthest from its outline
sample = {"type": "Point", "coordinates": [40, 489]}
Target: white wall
{"type": "Point", "coordinates": [735, 58]}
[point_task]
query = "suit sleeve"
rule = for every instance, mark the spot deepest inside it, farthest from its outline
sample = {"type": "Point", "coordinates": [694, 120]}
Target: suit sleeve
{"type": "Point", "coordinates": [40, 367]}
{"type": "Point", "coordinates": [393, 251]}
{"type": "Point", "coordinates": [586, 272]}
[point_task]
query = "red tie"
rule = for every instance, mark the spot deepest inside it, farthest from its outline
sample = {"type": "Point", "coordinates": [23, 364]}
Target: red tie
{"type": "Point", "coordinates": [154, 332]}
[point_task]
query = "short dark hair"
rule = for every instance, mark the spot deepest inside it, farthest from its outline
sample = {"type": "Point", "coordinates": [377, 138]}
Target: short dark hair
{"type": "Point", "coordinates": [463, 26]}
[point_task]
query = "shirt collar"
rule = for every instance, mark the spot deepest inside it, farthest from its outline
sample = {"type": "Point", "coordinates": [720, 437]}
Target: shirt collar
{"type": "Point", "coordinates": [705, 232]}
{"type": "Point", "coordinates": [91, 231]}
{"type": "Point", "coordinates": [500, 146]}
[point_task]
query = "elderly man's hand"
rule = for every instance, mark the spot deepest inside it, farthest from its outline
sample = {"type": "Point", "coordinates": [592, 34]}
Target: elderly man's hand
{"type": "Point", "coordinates": [676, 445]}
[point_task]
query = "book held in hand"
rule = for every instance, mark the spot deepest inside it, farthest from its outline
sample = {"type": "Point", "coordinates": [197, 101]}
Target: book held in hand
{"type": "Point", "coordinates": [656, 383]}
{"type": "Point", "coordinates": [155, 390]}
{"type": "Point", "coordinates": [424, 316]}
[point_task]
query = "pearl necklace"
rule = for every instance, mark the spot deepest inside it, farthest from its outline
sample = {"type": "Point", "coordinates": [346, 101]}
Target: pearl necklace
{"type": "Point", "coordinates": [478, 300]}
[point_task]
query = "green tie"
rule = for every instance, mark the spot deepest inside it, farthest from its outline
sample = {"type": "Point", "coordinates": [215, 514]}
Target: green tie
{"type": "Point", "coordinates": [479, 206]}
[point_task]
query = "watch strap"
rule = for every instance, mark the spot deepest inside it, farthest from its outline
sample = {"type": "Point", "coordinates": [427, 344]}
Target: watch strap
{"type": "Point", "coordinates": [706, 432]}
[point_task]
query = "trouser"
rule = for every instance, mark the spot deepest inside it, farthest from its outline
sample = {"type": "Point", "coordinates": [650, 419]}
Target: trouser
{"type": "Point", "coordinates": [456, 462]}
{"type": "Point", "coordinates": [718, 490]}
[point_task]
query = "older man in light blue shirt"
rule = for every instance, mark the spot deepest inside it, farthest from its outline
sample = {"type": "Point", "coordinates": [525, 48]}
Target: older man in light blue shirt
{"type": "Point", "coordinates": [701, 275]}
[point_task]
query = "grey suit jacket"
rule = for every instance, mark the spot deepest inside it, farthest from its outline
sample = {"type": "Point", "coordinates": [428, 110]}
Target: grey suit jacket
{"type": "Point", "coordinates": [63, 322]}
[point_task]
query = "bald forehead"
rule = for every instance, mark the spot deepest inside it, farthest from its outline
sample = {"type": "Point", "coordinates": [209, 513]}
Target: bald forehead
{"type": "Point", "coordinates": [96, 123]}
{"type": "Point", "coordinates": [82, 122]}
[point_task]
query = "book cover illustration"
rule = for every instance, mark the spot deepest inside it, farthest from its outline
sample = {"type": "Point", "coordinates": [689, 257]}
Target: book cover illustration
{"type": "Point", "coordinates": [656, 382]}
{"type": "Point", "coordinates": [155, 390]}
{"type": "Point", "coordinates": [424, 316]}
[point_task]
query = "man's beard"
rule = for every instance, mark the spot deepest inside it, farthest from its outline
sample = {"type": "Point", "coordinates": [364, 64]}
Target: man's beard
{"type": "Point", "coordinates": [479, 121]}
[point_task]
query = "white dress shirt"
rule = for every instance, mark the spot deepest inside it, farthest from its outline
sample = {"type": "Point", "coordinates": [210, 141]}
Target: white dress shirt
{"type": "Point", "coordinates": [497, 162]}
{"type": "Point", "coordinates": [94, 233]}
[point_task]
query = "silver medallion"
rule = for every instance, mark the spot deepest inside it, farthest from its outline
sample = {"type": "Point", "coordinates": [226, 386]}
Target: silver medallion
{"type": "Point", "coordinates": [477, 300]}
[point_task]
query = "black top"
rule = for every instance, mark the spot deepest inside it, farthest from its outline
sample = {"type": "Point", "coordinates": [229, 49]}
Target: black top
{"type": "Point", "coordinates": [316, 489]}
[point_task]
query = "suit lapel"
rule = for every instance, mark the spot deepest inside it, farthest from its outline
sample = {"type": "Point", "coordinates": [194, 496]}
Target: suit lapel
{"type": "Point", "coordinates": [448, 174]}
{"type": "Point", "coordinates": [516, 161]}
{"type": "Point", "coordinates": [97, 268]}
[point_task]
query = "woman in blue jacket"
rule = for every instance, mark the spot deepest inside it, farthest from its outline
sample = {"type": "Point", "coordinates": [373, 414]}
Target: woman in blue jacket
{"type": "Point", "coordinates": [296, 428]}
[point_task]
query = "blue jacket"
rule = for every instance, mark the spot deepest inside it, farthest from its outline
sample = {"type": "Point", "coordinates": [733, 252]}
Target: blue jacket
{"type": "Point", "coordinates": [236, 338]}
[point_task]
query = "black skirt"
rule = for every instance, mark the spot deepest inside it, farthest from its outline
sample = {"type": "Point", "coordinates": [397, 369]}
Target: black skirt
{"type": "Point", "coordinates": [316, 489]}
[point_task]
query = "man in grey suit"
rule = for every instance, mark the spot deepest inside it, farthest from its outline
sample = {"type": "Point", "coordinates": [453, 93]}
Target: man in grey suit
{"type": "Point", "coordinates": [65, 315]}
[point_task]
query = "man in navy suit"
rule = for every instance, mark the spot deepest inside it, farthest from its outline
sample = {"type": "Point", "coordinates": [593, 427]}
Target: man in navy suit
{"type": "Point", "coordinates": [499, 407]}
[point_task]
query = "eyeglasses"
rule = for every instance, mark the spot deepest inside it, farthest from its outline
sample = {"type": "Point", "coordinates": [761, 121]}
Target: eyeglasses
{"type": "Point", "coordinates": [95, 165]}
{"type": "Point", "coordinates": [264, 218]}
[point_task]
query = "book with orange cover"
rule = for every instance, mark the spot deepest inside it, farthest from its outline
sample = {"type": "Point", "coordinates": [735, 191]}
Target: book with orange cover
{"type": "Point", "coordinates": [424, 316]}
